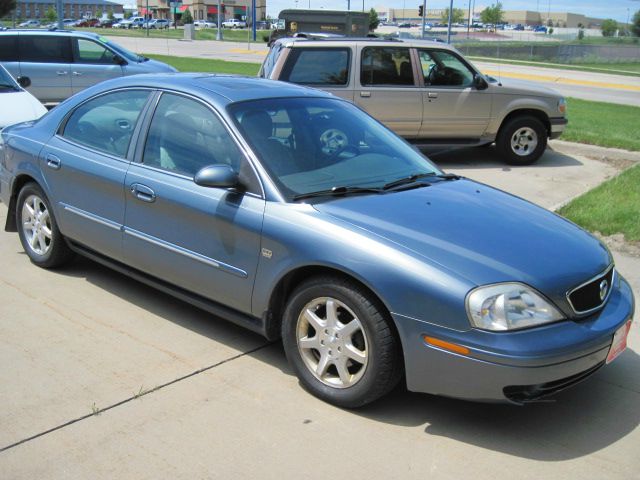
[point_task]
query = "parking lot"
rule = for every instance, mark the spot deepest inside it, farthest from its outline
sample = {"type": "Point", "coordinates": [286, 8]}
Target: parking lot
{"type": "Point", "coordinates": [104, 377]}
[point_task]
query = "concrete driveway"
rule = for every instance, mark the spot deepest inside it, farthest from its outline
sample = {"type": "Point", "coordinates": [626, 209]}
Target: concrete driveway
{"type": "Point", "coordinates": [178, 393]}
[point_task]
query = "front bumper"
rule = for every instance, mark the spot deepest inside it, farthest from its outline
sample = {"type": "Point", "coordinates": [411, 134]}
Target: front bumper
{"type": "Point", "coordinates": [557, 126]}
{"type": "Point", "coordinates": [517, 366]}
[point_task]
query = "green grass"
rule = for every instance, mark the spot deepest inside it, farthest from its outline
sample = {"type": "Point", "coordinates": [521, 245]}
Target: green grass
{"type": "Point", "coordinates": [628, 69]}
{"type": "Point", "coordinates": [613, 207]}
{"type": "Point", "coordinates": [604, 124]}
{"type": "Point", "coordinates": [187, 64]}
{"type": "Point", "coordinates": [230, 35]}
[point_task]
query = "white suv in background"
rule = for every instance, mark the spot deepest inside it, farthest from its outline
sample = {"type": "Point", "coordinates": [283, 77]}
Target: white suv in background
{"type": "Point", "coordinates": [234, 23]}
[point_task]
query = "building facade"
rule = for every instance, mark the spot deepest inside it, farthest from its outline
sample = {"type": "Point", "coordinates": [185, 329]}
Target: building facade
{"type": "Point", "coordinates": [37, 9]}
{"type": "Point", "coordinates": [203, 9]}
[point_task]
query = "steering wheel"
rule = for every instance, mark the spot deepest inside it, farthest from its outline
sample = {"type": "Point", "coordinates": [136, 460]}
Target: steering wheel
{"type": "Point", "coordinates": [333, 141]}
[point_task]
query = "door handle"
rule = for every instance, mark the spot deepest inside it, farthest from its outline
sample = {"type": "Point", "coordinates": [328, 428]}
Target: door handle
{"type": "Point", "coordinates": [77, 74]}
{"type": "Point", "coordinates": [61, 72]}
{"type": "Point", "coordinates": [432, 95]}
{"type": "Point", "coordinates": [365, 94]}
{"type": "Point", "coordinates": [53, 162]}
{"type": "Point", "coordinates": [142, 192]}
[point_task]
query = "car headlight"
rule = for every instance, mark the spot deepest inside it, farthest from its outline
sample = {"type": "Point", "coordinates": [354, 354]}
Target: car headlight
{"type": "Point", "coordinates": [509, 306]}
{"type": "Point", "coordinates": [562, 106]}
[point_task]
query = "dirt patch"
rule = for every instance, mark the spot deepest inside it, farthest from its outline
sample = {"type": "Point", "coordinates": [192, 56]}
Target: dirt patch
{"type": "Point", "coordinates": [618, 243]}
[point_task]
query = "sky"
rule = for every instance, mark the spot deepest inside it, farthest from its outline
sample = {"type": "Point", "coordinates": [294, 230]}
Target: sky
{"type": "Point", "coordinates": [616, 9]}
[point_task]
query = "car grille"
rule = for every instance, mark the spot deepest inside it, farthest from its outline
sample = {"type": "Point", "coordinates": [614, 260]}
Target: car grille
{"type": "Point", "coordinates": [531, 393]}
{"type": "Point", "coordinates": [589, 296]}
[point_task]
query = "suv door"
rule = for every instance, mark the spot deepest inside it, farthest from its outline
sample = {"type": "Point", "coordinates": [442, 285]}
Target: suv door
{"type": "Point", "coordinates": [46, 60]}
{"type": "Point", "coordinates": [326, 68]}
{"type": "Point", "coordinates": [92, 63]}
{"type": "Point", "coordinates": [453, 106]}
{"type": "Point", "coordinates": [85, 164]}
{"type": "Point", "coordinates": [206, 240]}
{"type": "Point", "coordinates": [388, 89]}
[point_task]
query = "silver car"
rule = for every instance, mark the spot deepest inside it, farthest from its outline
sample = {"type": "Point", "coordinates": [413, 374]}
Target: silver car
{"type": "Point", "coordinates": [426, 92]}
{"type": "Point", "coordinates": [61, 63]}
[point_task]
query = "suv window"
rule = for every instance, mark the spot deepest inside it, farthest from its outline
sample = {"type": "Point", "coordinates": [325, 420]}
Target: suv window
{"type": "Point", "coordinates": [185, 136]}
{"type": "Point", "coordinates": [8, 48]}
{"type": "Point", "coordinates": [444, 69]}
{"type": "Point", "coordinates": [270, 61]}
{"type": "Point", "coordinates": [317, 66]}
{"type": "Point", "coordinates": [88, 51]}
{"type": "Point", "coordinates": [106, 123]}
{"type": "Point", "coordinates": [386, 66]}
{"type": "Point", "coordinates": [45, 49]}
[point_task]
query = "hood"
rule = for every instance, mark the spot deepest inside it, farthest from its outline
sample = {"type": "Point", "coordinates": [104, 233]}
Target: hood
{"type": "Point", "coordinates": [511, 86]}
{"type": "Point", "coordinates": [156, 66]}
{"type": "Point", "coordinates": [479, 233]}
{"type": "Point", "coordinates": [19, 107]}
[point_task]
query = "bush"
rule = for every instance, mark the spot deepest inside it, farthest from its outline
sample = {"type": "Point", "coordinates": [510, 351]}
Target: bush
{"type": "Point", "coordinates": [609, 27]}
{"type": "Point", "coordinates": [580, 34]}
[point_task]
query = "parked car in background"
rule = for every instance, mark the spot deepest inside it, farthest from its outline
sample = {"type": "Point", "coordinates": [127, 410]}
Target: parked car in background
{"type": "Point", "coordinates": [157, 23]}
{"type": "Point", "coordinates": [293, 213]}
{"type": "Point", "coordinates": [30, 24]}
{"type": "Point", "coordinates": [18, 105]}
{"type": "Point", "coordinates": [125, 23]}
{"type": "Point", "coordinates": [61, 63]}
{"type": "Point", "coordinates": [205, 24]}
{"type": "Point", "coordinates": [426, 92]}
{"type": "Point", "coordinates": [234, 23]}
{"type": "Point", "coordinates": [107, 23]}
{"type": "Point", "coordinates": [540, 29]}
{"type": "Point", "coordinates": [137, 22]}
{"type": "Point", "coordinates": [88, 23]}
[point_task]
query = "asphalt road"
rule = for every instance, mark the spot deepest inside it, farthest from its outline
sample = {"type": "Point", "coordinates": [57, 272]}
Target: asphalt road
{"type": "Point", "coordinates": [178, 393]}
{"type": "Point", "coordinates": [586, 85]}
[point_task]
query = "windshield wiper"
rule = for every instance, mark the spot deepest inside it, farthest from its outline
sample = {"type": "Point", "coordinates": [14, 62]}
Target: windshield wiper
{"type": "Point", "coordinates": [338, 191]}
{"type": "Point", "coordinates": [412, 180]}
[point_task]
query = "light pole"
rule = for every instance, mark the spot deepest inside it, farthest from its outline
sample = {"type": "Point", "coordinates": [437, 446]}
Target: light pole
{"type": "Point", "coordinates": [449, 28]}
{"type": "Point", "coordinates": [219, 34]}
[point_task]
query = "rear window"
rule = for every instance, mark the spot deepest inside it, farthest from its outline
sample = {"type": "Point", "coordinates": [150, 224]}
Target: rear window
{"type": "Point", "coordinates": [317, 66]}
{"type": "Point", "coordinates": [45, 49]}
{"type": "Point", "coordinates": [8, 48]}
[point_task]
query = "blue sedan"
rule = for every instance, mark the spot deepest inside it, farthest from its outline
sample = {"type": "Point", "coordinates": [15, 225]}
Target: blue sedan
{"type": "Point", "coordinates": [295, 214]}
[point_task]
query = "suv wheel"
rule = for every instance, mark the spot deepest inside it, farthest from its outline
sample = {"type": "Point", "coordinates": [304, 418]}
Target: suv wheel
{"type": "Point", "coordinates": [522, 140]}
{"type": "Point", "coordinates": [339, 342]}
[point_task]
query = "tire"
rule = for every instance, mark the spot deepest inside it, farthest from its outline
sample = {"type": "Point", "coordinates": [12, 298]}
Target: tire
{"type": "Point", "coordinates": [348, 359]}
{"type": "Point", "coordinates": [522, 140]}
{"type": "Point", "coordinates": [38, 229]}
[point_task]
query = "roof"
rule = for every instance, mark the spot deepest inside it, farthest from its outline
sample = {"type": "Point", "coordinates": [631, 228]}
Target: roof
{"type": "Point", "coordinates": [380, 41]}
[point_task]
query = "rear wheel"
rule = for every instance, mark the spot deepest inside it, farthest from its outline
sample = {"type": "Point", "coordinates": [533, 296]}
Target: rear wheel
{"type": "Point", "coordinates": [38, 230]}
{"type": "Point", "coordinates": [340, 343]}
{"type": "Point", "coordinates": [522, 140]}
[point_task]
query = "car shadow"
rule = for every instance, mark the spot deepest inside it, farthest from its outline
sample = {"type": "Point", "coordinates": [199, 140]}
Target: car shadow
{"type": "Point", "coordinates": [582, 420]}
{"type": "Point", "coordinates": [488, 157]}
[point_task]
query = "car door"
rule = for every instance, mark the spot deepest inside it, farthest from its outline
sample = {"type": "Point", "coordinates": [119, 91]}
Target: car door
{"type": "Point", "coordinates": [452, 106]}
{"type": "Point", "coordinates": [205, 240]}
{"type": "Point", "coordinates": [46, 60]}
{"type": "Point", "coordinates": [327, 68]}
{"type": "Point", "coordinates": [85, 165]}
{"type": "Point", "coordinates": [388, 89]}
{"type": "Point", "coordinates": [92, 63]}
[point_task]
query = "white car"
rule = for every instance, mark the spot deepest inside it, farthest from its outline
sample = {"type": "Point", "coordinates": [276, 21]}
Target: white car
{"type": "Point", "coordinates": [18, 105]}
{"type": "Point", "coordinates": [205, 24]}
{"type": "Point", "coordinates": [30, 24]}
{"type": "Point", "coordinates": [234, 23]}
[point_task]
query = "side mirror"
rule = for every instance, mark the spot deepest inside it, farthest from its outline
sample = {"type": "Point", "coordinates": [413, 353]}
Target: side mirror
{"type": "Point", "coordinates": [24, 82]}
{"type": "Point", "coordinates": [217, 176]}
{"type": "Point", "coordinates": [479, 82]}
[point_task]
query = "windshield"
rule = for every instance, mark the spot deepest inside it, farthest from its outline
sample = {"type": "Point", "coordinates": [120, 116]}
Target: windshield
{"type": "Point", "coordinates": [6, 80]}
{"type": "Point", "coordinates": [315, 144]}
{"type": "Point", "coordinates": [120, 50]}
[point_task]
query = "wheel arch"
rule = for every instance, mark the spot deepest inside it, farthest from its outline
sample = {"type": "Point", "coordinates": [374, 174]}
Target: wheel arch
{"type": "Point", "coordinates": [20, 181]}
{"type": "Point", "coordinates": [522, 112]}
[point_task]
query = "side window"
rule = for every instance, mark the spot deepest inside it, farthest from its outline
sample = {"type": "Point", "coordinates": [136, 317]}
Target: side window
{"type": "Point", "coordinates": [106, 123]}
{"type": "Point", "coordinates": [89, 51]}
{"type": "Point", "coordinates": [317, 66]}
{"type": "Point", "coordinates": [185, 136]}
{"type": "Point", "coordinates": [45, 49]}
{"type": "Point", "coordinates": [444, 69]}
{"type": "Point", "coordinates": [8, 48]}
{"type": "Point", "coordinates": [386, 66]}
{"type": "Point", "coordinates": [270, 61]}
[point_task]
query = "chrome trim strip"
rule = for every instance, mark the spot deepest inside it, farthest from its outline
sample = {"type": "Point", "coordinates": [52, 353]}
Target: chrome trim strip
{"type": "Point", "coordinates": [187, 253]}
{"type": "Point", "coordinates": [90, 216]}
{"type": "Point", "coordinates": [593, 279]}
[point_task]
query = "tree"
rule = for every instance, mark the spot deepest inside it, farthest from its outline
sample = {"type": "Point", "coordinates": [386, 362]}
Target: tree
{"type": "Point", "coordinates": [110, 15]}
{"type": "Point", "coordinates": [492, 14]}
{"type": "Point", "coordinates": [51, 14]}
{"type": "Point", "coordinates": [374, 21]}
{"type": "Point", "coordinates": [609, 27]}
{"type": "Point", "coordinates": [6, 7]}
{"type": "Point", "coordinates": [187, 17]}
{"type": "Point", "coordinates": [635, 24]}
{"type": "Point", "coordinates": [457, 16]}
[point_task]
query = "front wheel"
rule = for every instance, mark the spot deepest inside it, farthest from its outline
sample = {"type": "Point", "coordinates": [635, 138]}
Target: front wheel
{"type": "Point", "coordinates": [522, 140]}
{"type": "Point", "coordinates": [38, 229]}
{"type": "Point", "coordinates": [340, 343]}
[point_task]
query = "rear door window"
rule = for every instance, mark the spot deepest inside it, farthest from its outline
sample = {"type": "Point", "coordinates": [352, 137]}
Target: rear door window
{"type": "Point", "coordinates": [383, 66]}
{"type": "Point", "coordinates": [45, 49]}
{"type": "Point", "coordinates": [8, 48]}
{"type": "Point", "coordinates": [317, 66]}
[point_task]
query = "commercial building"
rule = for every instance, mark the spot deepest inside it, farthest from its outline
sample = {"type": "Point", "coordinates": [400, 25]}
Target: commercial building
{"type": "Point", "coordinates": [36, 9]}
{"type": "Point", "coordinates": [203, 9]}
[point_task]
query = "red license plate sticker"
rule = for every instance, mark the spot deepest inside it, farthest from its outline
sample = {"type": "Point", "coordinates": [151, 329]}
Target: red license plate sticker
{"type": "Point", "coordinates": [619, 343]}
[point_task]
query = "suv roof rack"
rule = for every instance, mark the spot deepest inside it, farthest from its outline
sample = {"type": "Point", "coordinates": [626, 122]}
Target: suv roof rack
{"type": "Point", "coordinates": [328, 37]}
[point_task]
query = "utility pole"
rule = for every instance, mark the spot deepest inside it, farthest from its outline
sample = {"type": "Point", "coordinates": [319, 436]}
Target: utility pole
{"type": "Point", "coordinates": [219, 34]}
{"type": "Point", "coordinates": [424, 16]}
{"type": "Point", "coordinates": [469, 22]}
{"type": "Point", "coordinates": [60, 10]}
{"type": "Point", "coordinates": [449, 29]}
{"type": "Point", "coordinates": [253, 19]}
